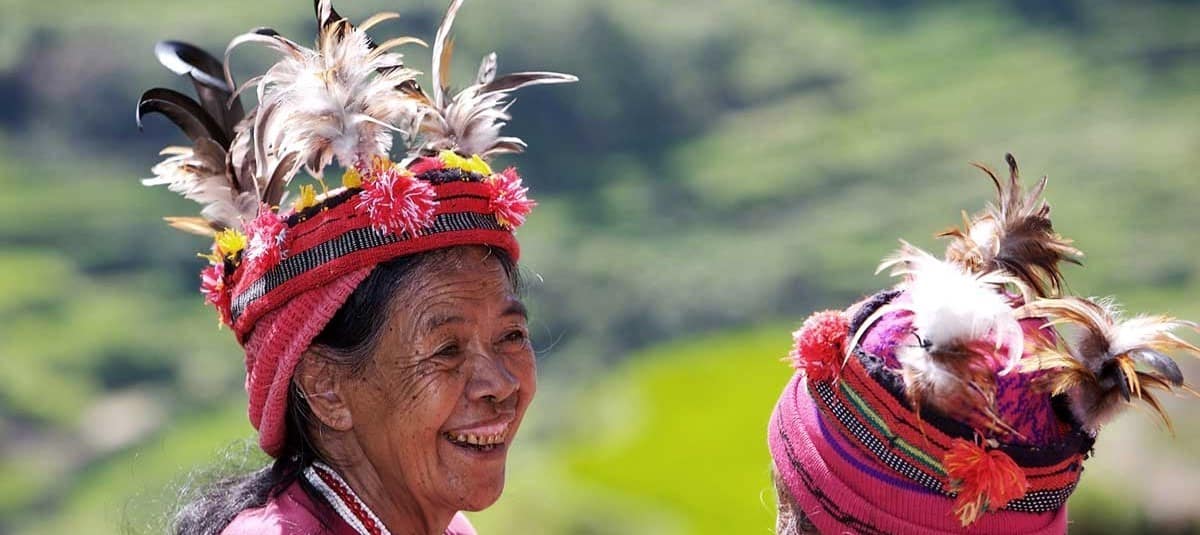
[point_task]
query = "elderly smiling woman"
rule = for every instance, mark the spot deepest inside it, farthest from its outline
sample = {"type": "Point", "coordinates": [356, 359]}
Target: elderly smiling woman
{"type": "Point", "coordinates": [388, 363]}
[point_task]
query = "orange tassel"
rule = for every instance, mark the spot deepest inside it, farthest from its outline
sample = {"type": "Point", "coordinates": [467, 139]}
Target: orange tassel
{"type": "Point", "coordinates": [985, 480]}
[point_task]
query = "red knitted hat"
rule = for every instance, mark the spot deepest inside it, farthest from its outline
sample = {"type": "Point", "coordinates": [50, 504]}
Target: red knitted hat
{"type": "Point", "coordinates": [966, 398]}
{"type": "Point", "coordinates": [277, 276]}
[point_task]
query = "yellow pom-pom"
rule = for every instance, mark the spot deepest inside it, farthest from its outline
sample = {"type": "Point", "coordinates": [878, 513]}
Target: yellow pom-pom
{"type": "Point", "coordinates": [474, 164]}
{"type": "Point", "coordinates": [453, 160]}
{"type": "Point", "coordinates": [352, 178]}
{"type": "Point", "coordinates": [308, 198]}
{"type": "Point", "coordinates": [230, 242]}
{"type": "Point", "coordinates": [478, 166]}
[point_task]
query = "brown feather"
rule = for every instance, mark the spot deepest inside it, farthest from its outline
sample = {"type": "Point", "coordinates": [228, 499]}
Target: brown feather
{"type": "Point", "coordinates": [1107, 361]}
{"type": "Point", "coordinates": [1014, 235]}
{"type": "Point", "coordinates": [444, 74]}
{"type": "Point", "coordinates": [377, 18]}
{"type": "Point", "coordinates": [277, 184]}
{"type": "Point", "coordinates": [443, 49]}
{"type": "Point", "coordinates": [1159, 410]}
{"type": "Point", "coordinates": [194, 225]}
{"type": "Point", "coordinates": [512, 82]}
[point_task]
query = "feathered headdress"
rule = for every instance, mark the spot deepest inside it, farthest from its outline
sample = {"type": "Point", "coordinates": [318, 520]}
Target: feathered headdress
{"type": "Point", "coordinates": [975, 378]}
{"type": "Point", "coordinates": [346, 100]}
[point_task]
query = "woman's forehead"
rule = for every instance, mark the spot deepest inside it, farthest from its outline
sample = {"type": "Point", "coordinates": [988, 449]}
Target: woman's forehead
{"type": "Point", "coordinates": [467, 311]}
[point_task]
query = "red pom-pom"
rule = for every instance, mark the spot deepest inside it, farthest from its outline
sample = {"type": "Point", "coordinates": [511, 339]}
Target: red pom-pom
{"type": "Point", "coordinates": [212, 285]}
{"type": "Point", "coordinates": [820, 345]}
{"type": "Point", "coordinates": [509, 201]}
{"type": "Point", "coordinates": [425, 165]}
{"type": "Point", "coordinates": [266, 235]}
{"type": "Point", "coordinates": [397, 202]}
{"type": "Point", "coordinates": [985, 480]}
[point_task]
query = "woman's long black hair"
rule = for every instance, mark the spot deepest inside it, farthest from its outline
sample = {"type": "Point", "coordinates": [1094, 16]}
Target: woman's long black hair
{"type": "Point", "coordinates": [349, 339]}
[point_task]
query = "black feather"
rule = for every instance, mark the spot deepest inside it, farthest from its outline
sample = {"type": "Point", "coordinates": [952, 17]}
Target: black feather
{"type": "Point", "coordinates": [518, 80]}
{"type": "Point", "coordinates": [1160, 363]}
{"type": "Point", "coordinates": [1113, 376]}
{"type": "Point", "coordinates": [325, 12]}
{"type": "Point", "coordinates": [184, 112]}
{"type": "Point", "coordinates": [207, 74]}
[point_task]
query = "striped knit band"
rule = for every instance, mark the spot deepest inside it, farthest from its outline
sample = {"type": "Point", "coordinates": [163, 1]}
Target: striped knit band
{"type": "Point", "coordinates": [340, 239]}
{"type": "Point", "coordinates": [900, 445]}
{"type": "Point", "coordinates": [843, 491]}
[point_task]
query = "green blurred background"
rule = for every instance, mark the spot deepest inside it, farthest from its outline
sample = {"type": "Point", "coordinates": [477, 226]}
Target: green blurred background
{"type": "Point", "coordinates": [724, 169]}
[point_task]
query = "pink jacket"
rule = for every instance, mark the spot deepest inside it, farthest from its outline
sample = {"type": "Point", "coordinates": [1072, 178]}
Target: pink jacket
{"type": "Point", "coordinates": [293, 512]}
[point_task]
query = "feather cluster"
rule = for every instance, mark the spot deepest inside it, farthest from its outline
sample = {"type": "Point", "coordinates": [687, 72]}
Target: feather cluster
{"type": "Point", "coordinates": [983, 479]}
{"type": "Point", "coordinates": [201, 172]}
{"type": "Point", "coordinates": [469, 122]}
{"type": "Point", "coordinates": [1105, 361]}
{"type": "Point", "coordinates": [965, 335]}
{"type": "Point", "coordinates": [1014, 235]}
{"type": "Point", "coordinates": [337, 100]}
{"type": "Point", "coordinates": [342, 100]}
{"type": "Point", "coordinates": [1001, 268]}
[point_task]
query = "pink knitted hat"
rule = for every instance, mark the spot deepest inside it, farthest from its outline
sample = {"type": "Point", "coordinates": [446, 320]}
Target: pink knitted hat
{"type": "Point", "coordinates": [967, 398]}
{"type": "Point", "coordinates": [275, 347]}
{"type": "Point", "coordinates": [276, 274]}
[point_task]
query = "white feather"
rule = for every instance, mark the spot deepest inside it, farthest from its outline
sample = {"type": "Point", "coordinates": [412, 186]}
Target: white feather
{"type": "Point", "coordinates": [338, 101]}
{"type": "Point", "coordinates": [952, 307]}
{"type": "Point", "coordinates": [470, 122]}
{"type": "Point", "coordinates": [198, 173]}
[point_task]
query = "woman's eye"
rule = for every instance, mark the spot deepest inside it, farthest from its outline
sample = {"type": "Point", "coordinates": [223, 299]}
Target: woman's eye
{"type": "Point", "coordinates": [515, 336]}
{"type": "Point", "coordinates": [451, 350]}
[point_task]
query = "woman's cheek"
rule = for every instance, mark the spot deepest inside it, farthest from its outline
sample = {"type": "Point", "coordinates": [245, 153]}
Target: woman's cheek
{"type": "Point", "coordinates": [526, 372]}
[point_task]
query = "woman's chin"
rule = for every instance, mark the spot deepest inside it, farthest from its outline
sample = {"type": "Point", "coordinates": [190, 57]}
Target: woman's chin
{"type": "Point", "coordinates": [481, 493]}
{"type": "Point", "coordinates": [479, 468]}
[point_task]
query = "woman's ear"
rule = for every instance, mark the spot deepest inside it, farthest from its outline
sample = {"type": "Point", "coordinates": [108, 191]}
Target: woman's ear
{"type": "Point", "coordinates": [321, 384]}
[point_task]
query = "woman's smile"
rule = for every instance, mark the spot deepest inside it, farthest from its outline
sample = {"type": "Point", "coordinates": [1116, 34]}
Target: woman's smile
{"type": "Point", "coordinates": [485, 439]}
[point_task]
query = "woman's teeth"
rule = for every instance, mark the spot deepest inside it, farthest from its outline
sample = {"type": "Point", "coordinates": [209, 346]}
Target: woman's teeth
{"type": "Point", "coordinates": [476, 440]}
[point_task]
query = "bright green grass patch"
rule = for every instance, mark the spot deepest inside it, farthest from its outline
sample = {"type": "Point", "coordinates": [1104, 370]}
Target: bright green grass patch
{"type": "Point", "coordinates": [683, 428]}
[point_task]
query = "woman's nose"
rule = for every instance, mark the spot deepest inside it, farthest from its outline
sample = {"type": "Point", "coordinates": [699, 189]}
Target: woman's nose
{"type": "Point", "coordinates": [492, 379]}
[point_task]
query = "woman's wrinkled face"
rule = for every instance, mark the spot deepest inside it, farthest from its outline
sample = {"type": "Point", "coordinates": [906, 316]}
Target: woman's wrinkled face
{"type": "Point", "coordinates": [450, 379]}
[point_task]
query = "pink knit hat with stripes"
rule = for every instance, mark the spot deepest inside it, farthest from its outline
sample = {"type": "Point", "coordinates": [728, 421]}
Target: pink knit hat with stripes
{"type": "Point", "coordinates": [965, 399]}
{"type": "Point", "coordinates": [278, 274]}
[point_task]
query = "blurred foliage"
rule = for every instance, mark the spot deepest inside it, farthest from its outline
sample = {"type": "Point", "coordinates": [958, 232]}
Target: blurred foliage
{"type": "Point", "coordinates": [721, 164]}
